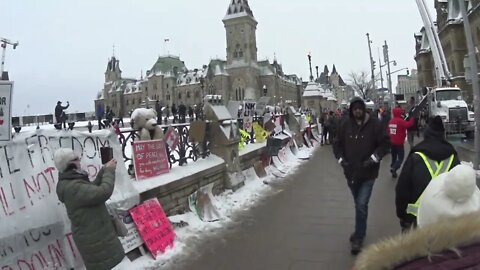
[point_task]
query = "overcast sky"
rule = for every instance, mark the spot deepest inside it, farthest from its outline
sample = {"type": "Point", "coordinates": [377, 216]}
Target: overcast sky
{"type": "Point", "coordinates": [65, 44]}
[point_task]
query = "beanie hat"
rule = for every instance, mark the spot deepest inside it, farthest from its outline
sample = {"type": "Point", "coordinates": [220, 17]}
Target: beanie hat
{"type": "Point", "coordinates": [435, 128]}
{"type": "Point", "coordinates": [450, 194]}
{"type": "Point", "coordinates": [62, 157]}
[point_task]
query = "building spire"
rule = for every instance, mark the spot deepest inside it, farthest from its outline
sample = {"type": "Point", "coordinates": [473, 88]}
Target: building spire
{"type": "Point", "coordinates": [113, 50]}
{"type": "Point", "coordinates": [237, 8]}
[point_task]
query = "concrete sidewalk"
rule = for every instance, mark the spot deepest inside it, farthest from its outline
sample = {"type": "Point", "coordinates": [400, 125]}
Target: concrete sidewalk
{"type": "Point", "coordinates": [305, 223]}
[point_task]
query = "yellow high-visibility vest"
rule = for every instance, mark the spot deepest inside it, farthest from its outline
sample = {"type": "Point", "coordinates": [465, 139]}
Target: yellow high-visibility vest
{"type": "Point", "coordinates": [440, 167]}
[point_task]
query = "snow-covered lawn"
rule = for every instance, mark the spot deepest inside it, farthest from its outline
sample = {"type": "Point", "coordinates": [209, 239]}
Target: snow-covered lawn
{"type": "Point", "coordinates": [229, 204]}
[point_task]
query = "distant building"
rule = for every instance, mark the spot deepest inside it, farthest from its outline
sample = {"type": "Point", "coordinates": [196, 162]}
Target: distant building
{"type": "Point", "coordinates": [408, 85]}
{"type": "Point", "coordinates": [326, 93]}
{"type": "Point", "coordinates": [452, 38]}
{"type": "Point", "coordinates": [241, 76]}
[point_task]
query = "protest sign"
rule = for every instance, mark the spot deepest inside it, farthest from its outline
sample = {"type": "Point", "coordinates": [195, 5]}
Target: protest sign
{"type": "Point", "coordinates": [35, 230]}
{"type": "Point", "coordinates": [153, 226]}
{"type": "Point", "coordinates": [171, 138]}
{"type": "Point", "coordinates": [5, 110]}
{"type": "Point", "coordinates": [249, 108]}
{"type": "Point", "coordinates": [247, 123]}
{"type": "Point", "coordinates": [150, 159]}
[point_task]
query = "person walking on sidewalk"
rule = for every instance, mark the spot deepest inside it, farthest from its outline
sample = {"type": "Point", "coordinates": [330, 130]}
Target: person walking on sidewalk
{"type": "Point", "coordinates": [428, 159]}
{"type": "Point", "coordinates": [397, 130]}
{"type": "Point", "coordinates": [447, 236]}
{"type": "Point", "coordinates": [359, 146]}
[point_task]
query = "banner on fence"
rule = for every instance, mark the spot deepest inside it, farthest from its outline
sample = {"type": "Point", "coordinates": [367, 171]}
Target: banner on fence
{"type": "Point", "coordinates": [6, 88]}
{"type": "Point", "coordinates": [153, 226]}
{"type": "Point", "coordinates": [35, 230]}
{"type": "Point", "coordinates": [150, 159]}
{"type": "Point", "coordinates": [247, 123]}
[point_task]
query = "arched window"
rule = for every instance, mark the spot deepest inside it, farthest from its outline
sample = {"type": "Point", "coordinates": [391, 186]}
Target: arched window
{"type": "Point", "coordinates": [197, 94]}
{"type": "Point", "coordinates": [168, 95]}
{"type": "Point", "coordinates": [188, 94]}
{"type": "Point", "coordinates": [179, 96]}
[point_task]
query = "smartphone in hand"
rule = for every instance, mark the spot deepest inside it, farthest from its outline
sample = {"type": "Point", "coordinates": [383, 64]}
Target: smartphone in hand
{"type": "Point", "coordinates": [106, 154]}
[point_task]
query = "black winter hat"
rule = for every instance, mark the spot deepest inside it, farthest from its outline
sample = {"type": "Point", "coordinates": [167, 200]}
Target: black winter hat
{"type": "Point", "coordinates": [436, 124]}
{"type": "Point", "coordinates": [435, 128]}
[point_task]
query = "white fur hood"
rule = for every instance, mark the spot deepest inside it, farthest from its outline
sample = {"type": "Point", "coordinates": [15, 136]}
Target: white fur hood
{"type": "Point", "coordinates": [446, 234]}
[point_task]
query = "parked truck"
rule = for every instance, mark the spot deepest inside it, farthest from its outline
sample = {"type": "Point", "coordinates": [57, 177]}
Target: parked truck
{"type": "Point", "coordinates": [443, 100]}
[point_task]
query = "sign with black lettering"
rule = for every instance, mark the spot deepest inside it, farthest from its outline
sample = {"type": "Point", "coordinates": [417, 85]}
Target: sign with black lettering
{"type": "Point", "coordinates": [5, 110]}
{"type": "Point", "coordinates": [150, 159]}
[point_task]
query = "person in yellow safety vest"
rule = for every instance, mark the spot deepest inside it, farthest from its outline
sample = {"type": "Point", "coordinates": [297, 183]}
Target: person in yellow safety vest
{"type": "Point", "coordinates": [428, 159]}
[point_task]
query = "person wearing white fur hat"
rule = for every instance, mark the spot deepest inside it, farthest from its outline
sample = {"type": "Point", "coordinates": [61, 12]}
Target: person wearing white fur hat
{"type": "Point", "coordinates": [448, 233]}
{"type": "Point", "coordinates": [92, 228]}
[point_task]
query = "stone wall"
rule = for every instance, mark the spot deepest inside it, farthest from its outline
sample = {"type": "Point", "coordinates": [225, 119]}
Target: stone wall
{"type": "Point", "coordinates": [249, 159]}
{"type": "Point", "coordinates": [174, 196]}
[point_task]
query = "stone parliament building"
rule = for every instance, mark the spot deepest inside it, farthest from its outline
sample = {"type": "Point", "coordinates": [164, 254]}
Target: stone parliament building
{"type": "Point", "coordinates": [240, 77]}
{"type": "Point", "coordinates": [452, 38]}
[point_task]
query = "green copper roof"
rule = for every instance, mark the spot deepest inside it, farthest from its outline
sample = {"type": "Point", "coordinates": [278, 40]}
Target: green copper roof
{"type": "Point", "coordinates": [166, 64]}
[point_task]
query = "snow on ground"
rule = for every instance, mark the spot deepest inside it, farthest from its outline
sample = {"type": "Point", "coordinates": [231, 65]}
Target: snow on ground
{"type": "Point", "coordinates": [229, 204]}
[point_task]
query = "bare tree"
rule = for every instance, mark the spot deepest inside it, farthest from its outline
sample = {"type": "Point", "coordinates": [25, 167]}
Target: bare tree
{"type": "Point", "coordinates": [362, 84]}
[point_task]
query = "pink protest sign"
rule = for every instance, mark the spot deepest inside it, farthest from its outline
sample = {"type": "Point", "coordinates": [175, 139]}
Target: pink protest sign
{"type": "Point", "coordinates": [153, 226]}
{"type": "Point", "coordinates": [150, 159]}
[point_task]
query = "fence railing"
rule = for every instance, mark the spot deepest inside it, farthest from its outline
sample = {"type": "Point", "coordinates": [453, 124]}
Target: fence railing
{"type": "Point", "coordinates": [186, 149]}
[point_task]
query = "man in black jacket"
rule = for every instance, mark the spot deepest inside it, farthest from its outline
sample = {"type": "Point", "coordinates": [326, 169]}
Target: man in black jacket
{"type": "Point", "coordinates": [429, 158]}
{"type": "Point", "coordinates": [359, 146]}
{"type": "Point", "coordinates": [59, 113]}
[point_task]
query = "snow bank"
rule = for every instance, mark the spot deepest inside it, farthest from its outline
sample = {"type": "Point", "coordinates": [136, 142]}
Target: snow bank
{"type": "Point", "coordinates": [229, 204]}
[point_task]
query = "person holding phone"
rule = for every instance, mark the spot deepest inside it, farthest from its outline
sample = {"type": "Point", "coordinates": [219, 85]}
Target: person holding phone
{"type": "Point", "coordinates": [92, 228]}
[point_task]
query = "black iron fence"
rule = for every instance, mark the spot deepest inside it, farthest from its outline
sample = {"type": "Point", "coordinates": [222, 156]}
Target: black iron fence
{"type": "Point", "coordinates": [186, 149]}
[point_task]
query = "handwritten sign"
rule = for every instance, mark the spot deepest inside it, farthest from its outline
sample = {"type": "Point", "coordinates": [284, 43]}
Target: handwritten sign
{"type": "Point", "coordinates": [29, 206]}
{"type": "Point", "coordinates": [172, 138]}
{"type": "Point", "coordinates": [153, 226]}
{"type": "Point", "coordinates": [5, 110]}
{"type": "Point", "coordinates": [249, 108]}
{"type": "Point", "coordinates": [150, 159]}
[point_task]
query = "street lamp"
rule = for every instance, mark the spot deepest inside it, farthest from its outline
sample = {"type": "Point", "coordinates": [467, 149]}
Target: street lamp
{"type": "Point", "coordinates": [264, 90]}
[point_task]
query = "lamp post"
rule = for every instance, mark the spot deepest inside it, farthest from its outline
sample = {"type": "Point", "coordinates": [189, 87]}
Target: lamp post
{"type": "Point", "coordinates": [264, 90]}
{"type": "Point", "coordinates": [389, 77]}
{"type": "Point", "coordinates": [474, 75]}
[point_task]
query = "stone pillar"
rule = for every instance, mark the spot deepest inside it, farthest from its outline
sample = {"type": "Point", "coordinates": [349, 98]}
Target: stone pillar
{"type": "Point", "coordinates": [224, 142]}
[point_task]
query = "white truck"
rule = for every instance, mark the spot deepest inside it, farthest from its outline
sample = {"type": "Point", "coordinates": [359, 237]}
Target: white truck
{"type": "Point", "coordinates": [446, 102]}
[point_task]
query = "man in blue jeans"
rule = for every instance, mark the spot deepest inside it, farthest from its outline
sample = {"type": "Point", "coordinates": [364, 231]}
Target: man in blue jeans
{"type": "Point", "coordinates": [359, 146]}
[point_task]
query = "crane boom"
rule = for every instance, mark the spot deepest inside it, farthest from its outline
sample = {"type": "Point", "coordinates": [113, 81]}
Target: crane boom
{"type": "Point", "coordinates": [441, 68]}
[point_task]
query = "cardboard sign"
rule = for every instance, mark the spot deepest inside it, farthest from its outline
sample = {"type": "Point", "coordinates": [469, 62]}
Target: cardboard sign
{"type": "Point", "coordinates": [6, 110]}
{"type": "Point", "coordinates": [171, 138]}
{"type": "Point", "coordinates": [150, 159]}
{"type": "Point", "coordinates": [247, 123]}
{"type": "Point", "coordinates": [153, 226]}
{"type": "Point", "coordinates": [197, 131]}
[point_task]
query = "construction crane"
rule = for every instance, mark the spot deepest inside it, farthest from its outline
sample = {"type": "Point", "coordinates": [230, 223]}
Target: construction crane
{"type": "Point", "coordinates": [443, 75]}
{"type": "Point", "coordinates": [442, 100]}
{"type": "Point", "coordinates": [4, 42]}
